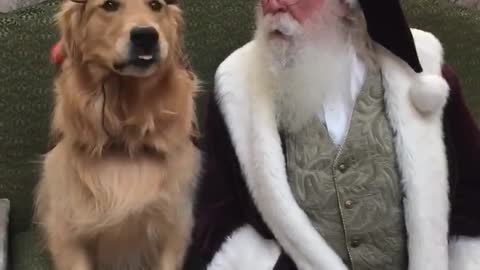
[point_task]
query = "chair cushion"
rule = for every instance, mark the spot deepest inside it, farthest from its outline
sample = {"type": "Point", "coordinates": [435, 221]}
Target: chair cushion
{"type": "Point", "coordinates": [468, 3]}
{"type": "Point", "coordinates": [25, 79]}
{"type": "Point", "coordinates": [10, 5]}
{"type": "Point", "coordinates": [4, 213]}
{"type": "Point", "coordinates": [26, 252]}
{"type": "Point", "coordinates": [214, 29]}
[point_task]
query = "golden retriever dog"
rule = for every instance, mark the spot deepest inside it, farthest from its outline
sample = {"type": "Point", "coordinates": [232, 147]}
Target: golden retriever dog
{"type": "Point", "coordinates": [117, 189]}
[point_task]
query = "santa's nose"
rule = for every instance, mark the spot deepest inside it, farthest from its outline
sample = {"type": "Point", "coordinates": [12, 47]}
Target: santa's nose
{"type": "Point", "coordinates": [274, 6]}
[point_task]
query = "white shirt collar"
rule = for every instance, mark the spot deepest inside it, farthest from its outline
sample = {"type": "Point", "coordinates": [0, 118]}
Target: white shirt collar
{"type": "Point", "coordinates": [338, 105]}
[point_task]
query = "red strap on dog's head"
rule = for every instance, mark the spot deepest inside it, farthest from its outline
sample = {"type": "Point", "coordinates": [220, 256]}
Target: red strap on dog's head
{"type": "Point", "coordinates": [56, 56]}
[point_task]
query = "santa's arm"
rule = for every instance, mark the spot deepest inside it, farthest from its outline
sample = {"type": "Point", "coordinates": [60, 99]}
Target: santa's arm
{"type": "Point", "coordinates": [228, 230]}
{"type": "Point", "coordinates": [462, 137]}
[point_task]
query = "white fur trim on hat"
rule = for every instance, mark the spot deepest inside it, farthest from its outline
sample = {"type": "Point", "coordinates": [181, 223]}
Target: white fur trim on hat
{"type": "Point", "coordinates": [429, 93]}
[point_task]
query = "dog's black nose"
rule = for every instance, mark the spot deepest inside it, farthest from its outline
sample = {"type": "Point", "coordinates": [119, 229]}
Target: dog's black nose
{"type": "Point", "coordinates": [145, 38]}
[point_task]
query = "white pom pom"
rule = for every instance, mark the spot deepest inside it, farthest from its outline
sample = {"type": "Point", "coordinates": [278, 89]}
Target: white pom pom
{"type": "Point", "coordinates": [429, 93]}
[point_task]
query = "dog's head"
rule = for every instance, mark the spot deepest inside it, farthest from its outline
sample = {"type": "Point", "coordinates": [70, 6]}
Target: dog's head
{"type": "Point", "coordinates": [129, 37]}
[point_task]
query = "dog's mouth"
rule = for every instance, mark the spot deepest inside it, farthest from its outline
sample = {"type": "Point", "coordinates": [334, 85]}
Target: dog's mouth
{"type": "Point", "coordinates": [138, 61]}
{"type": "Point", "coordinates": [143, 60]}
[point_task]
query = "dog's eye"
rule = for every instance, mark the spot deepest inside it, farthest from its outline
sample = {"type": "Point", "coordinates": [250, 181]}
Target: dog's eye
{"type": "Point", "coordinates": [155, 5]}
{"type": "Point", "coordinates": [110, 5]}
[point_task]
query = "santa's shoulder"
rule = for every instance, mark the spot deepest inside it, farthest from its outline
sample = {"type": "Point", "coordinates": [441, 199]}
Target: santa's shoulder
{"type": "Point", "coordinates": [238, 58]}
{"type": "Point", "coordinates": [235, 73]}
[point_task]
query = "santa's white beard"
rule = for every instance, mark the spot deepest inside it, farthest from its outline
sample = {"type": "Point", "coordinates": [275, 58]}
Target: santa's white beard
{"type": "Point", "coordinates": [305, 65]}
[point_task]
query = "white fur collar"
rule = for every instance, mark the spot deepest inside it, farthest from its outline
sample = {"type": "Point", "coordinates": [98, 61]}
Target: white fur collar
{"type": "Point", "coordinates": [414, 106]}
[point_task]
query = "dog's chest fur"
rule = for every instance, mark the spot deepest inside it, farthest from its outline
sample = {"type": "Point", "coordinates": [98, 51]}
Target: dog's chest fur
{"type": "Point", "coordinates": [121, 208]}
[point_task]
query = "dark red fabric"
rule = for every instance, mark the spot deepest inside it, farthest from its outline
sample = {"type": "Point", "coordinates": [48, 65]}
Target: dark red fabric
{"type": "Point", "coordinates": [462, 139]}
{"type": "Point", "coordinates": [223, 201]}
{"type": "Point", "coordinates": [284, 263]}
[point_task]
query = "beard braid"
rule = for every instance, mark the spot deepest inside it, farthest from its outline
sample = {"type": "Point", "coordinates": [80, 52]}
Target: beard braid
{"type": "Point", "coordinates": [312, 60]}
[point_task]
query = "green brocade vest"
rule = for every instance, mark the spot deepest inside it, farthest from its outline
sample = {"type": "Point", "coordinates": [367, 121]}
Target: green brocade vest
{"type": "Point", "coordinates": [352, 192]}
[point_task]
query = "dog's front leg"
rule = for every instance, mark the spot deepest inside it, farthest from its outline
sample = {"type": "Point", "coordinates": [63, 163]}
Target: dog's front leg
{"type": "Point", "coordinates": [175, 246]}
{"type": "Point", "coordinates": [69, 254]}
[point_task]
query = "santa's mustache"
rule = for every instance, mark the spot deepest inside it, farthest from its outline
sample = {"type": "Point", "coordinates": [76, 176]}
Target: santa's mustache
{"type": "Point", "coordinates": [283, 23]}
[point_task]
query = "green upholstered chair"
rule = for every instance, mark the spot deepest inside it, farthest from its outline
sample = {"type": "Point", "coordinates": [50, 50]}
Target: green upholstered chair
{"type": "Point", "coordinates": [214, 29]}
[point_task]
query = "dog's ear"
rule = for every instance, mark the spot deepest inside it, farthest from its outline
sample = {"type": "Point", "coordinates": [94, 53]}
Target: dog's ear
{"type": "Point", "coordinates": [181, 56]}
{"type": "Point", "coordinates": [69, 20]}
{"type": "Point", "coordinates": [179, 26]}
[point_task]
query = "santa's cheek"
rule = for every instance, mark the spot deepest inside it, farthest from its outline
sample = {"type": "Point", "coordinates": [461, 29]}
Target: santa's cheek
{"type": "Point", "coordinates": [305, 9]}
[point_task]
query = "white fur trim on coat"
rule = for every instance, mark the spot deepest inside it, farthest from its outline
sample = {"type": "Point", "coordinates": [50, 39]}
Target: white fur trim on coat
{"type": "Point", "coordinates": [246, 249]}
{"type": "Point", "coordinates": [465, 253]}
{"type": "Point", "coordinates": [246, 100]}
{"type": "Point", "coordinates": [249, 113]}
{"type": "Point", "coordinates": [421, 155]}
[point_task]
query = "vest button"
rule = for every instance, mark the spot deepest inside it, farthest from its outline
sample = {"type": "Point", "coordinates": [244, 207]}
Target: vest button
{"type": "Point", "coordinates": [342, 168]}
{"type": "Point", "coordinates": [355, 243]}
{"type": "Point", "coordinates": [349, 204]}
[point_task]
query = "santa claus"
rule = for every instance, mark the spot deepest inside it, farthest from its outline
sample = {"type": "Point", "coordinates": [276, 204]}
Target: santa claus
{"type": "Point", "coordinates": [338, 139]}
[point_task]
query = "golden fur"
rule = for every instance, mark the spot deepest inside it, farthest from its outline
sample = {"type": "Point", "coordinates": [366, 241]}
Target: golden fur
{"type": "Point", "coordinates": [117, 189]}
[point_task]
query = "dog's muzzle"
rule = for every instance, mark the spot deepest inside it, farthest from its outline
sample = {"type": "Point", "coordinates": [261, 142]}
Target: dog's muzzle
{"type": "Point", "coordinates": [144, 47]}
{"type": "Point", "coordinates": [144, 50]}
